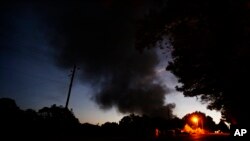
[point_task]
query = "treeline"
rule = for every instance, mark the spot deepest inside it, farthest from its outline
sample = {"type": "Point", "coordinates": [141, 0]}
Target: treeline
{"type": "Point", "coordinates": [48, 121]}
{"type": "Point", "coordinates": [59, 122]}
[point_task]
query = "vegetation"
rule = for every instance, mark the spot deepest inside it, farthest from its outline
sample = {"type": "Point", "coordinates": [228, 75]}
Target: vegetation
{"type": "Point", "coordinates": [209, 40]}
{"type": "Point", "coordinates": [56, 122]}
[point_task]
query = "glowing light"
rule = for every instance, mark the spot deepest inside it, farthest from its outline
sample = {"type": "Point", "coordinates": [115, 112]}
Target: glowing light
{"type": "Point", "coordinates": [194, 129]}
{"type": "Point", "coordinates": [190, 130]}
{"type": "Point", "coordinates": [195, 119]}
{"type": "Point", "coordinates": [157, 132]}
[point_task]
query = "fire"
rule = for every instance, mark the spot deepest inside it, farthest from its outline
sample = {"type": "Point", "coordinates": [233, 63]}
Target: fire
{"type": "Point", "coordinates": [195, 119]}
{"type": "Point", "coordinates": [190, 130]}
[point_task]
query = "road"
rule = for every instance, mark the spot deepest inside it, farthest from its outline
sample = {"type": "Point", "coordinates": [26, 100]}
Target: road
{"type": "Point", "coordinates": [201, 137]}
{"type": "Point", "coordinates": [192, 137]}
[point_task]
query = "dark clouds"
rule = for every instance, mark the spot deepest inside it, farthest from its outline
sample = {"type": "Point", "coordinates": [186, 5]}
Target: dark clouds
{"type": "Point", "coordinates": [98, 37]}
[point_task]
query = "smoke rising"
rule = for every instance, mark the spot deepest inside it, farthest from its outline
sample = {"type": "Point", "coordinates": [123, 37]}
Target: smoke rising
{"type": "Point", "coordinates": [99, 38]}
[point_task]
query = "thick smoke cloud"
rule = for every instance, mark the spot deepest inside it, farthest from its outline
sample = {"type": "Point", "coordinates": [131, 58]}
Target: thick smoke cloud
{"type": "Point", "coordinates": [99, 38]}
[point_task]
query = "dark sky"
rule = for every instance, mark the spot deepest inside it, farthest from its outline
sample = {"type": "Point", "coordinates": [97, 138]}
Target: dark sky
{"type": "Point", "coordinates": [41, 41]}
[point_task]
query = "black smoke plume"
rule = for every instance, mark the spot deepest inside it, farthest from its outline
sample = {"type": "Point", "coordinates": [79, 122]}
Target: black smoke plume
{"type": "Point", "coordinates": [98, 37]}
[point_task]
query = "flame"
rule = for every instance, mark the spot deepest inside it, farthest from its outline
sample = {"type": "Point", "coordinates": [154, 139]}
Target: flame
{"type": "Point", "coordinates": [190, 130]}
{"type": "Point", "coordinates": [195, 119]}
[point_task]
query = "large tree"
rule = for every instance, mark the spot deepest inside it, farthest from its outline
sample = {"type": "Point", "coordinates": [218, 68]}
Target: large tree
{"type": "Point", "coordinates": [210, 42]}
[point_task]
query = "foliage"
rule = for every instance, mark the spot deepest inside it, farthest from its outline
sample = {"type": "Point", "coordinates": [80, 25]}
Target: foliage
{"type": "Point", "coordinates": [210, 41]}
{"type": "Point", "coordinates": [56, 122]}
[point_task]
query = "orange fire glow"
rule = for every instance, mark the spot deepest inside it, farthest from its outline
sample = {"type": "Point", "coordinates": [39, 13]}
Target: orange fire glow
{"type": "Point", "coordinates": [190, 130]}
{"type": "Point", "coordinates": [195, 119]}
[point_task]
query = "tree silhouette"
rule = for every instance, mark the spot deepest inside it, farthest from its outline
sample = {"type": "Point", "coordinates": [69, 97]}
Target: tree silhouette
{"type": "Point", "coordinates": [54, 121]}
{"type": "Point", "coordinates": [11, 116]}
{"type": "Point", "coordinates": [222, 126]}
{"type": "Point", "coordinates": [132, 125]}
{"type": "Point", "coordinates": [210, 50]}
{"type": "Point", "coordinates": [110, 129]}
{"type": "Point", "coordinates": [58, 120]}
{"type": "Point", "coordinates": [59, 123]}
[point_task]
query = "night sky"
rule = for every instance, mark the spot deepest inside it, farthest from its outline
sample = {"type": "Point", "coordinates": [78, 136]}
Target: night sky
{"type": "Point", "coordinates": [41, 41]}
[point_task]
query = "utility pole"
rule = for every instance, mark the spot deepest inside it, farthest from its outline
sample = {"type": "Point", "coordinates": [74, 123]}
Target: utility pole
{"type": "Point", "coordinates": [70, 86]}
